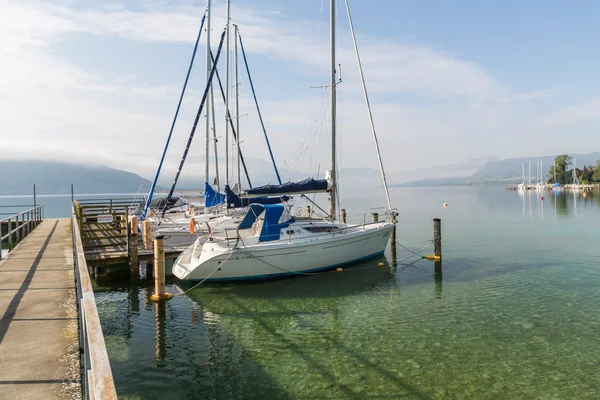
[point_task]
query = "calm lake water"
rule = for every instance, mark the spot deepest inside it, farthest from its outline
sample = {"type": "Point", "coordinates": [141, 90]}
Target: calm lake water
{"type": "Point", "coordinates": [514, 314]}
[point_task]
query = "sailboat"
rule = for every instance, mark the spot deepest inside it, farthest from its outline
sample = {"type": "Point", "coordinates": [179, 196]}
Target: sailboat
{"type": "Point", "coordinates": [522, 186]}
{"type": "Point", "coordinates": [191, 221]}
{"type": "Point", "coordinates": [270, 242]}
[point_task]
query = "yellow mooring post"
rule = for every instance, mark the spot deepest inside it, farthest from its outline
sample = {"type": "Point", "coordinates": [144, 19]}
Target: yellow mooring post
{"type": "Point", "coordinates": [437, 238]}
{"type": "Point", "coordinates": [437, 241]}
{"type": "Point", "coordinates": [159, 270]}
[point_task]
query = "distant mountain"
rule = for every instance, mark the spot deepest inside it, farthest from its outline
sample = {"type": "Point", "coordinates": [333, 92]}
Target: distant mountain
{"type": "Point", "coordinates": [56, 178]}
{"type": "Point", "coordinates": [512, 167]}
{"type": "Point", "coordinates": [509, 170]}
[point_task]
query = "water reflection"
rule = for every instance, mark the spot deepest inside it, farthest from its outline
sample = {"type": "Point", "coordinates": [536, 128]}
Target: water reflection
{"type": "Point", "coordinates": [438, 280]}
{"type": "Point", "coordinates": [161, 336]}
{"type": "Point", "coordinates": [304, 331]}
{"type": "Point", "coordinates": [510, 302]}
{"type": "Point", "coordinates": [565, 203]}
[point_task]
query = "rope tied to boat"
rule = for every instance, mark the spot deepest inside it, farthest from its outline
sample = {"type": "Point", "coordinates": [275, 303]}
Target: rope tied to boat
{"type": "Point", "coordinates": [207, 277]}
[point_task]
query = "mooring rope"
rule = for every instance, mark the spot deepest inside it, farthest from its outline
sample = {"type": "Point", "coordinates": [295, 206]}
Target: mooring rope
{"type": "Point", "coordinates": [413, 254]}
{"type": "Point", "coordinates": [209, 275]}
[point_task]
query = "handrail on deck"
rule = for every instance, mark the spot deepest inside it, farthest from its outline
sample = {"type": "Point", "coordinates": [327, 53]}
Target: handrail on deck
{"type": "Point", "coordinates": [24, 223]}
{"type": "Point", "coordinates": [97, 382]}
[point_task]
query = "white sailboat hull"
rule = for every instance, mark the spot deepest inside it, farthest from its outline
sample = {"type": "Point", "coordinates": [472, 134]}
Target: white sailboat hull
{"type": "Point", "coordinates": [280, 259]}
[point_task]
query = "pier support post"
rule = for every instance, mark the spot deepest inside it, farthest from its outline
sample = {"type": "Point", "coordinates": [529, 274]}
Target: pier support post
{"type": "Point", "coordinates": [99, 270]}
{"type": "Point", "coordinates": [343, 215]}
{"type": "Point", "coordinates": [134, 263]}
{"type": "Point", "coordinates": [147, 235]}
{"type": "Point", "coordinates": [437, 237]}
{"type": "Point", "coordinates": [159, 270]}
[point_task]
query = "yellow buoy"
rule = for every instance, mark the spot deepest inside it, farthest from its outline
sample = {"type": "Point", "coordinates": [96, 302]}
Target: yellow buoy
{"type": "Point", "coordinates": [584, 194]}
{"type": "Point", "coordinates": [339, 269]}
{"type": "Point", "coordinates": [380, 264]}
{"type": "Point", "coordinates": [157, 297]}
{"type": "Point", "coordinates": [433, 257]}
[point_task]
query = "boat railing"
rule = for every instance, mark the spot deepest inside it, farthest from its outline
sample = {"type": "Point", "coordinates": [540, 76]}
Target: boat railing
{"type": "Point", "coordinates": [336, 231]}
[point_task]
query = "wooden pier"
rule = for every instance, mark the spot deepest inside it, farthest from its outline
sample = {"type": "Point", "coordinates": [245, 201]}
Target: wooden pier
{"type": "Point", "coordinates": [104, 233]}
{"type": "Point", "coordinates": [39, 345]}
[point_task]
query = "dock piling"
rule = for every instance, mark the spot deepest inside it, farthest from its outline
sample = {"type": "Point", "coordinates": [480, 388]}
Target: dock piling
{"type": "Point", "coordinates": [159, 270]}
{"type": "Point", "coordinates": [147, 235]}
{"type": "Point", "coordinates": [133, 246]}
{"type": "Point", "coordinates": [437, 237]}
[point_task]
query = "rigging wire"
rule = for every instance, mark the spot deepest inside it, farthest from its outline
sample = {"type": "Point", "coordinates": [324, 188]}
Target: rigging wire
{"type": "Point", "coordinates": [277, 27]}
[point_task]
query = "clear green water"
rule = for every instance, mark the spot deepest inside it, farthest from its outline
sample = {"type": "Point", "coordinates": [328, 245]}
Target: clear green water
{"type": "Point", "coordinates": [514, 314]}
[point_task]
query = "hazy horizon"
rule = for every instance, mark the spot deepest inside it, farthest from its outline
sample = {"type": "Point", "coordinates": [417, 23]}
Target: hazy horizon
{"type": "Point", "coordinates": [99, 82]}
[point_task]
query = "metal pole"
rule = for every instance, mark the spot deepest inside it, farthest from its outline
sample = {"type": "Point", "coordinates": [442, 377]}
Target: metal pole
{"type": "Point", "coordinates": [10, 235]}
{"type": "Point", "coordinates": [332, 200]}
{"type": "Point", "coordinates": [237, 108]}
{"type": "Point", "coordinates": [162, 159]}
{"type": "Point", "coordinates": [227, 17]}
{"type": "Point", "coordinates": [231, 122]}
{"type": "Point", "coordinates": [34, 197]}
{"type": "Point", "coordinates": [191, 137]}
{"type": "Point", "coordinates": [214, 129]}
{"type": "Point", "coordinates": [208, 68]}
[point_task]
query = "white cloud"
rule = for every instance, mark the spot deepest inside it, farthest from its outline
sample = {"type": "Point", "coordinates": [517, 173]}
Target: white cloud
{"type": "Point", "coordinates": [586, 111]}
{"type": "Point", "coordinates": [60, 110]}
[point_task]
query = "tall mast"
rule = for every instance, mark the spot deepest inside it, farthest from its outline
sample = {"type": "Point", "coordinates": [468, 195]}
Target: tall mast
{"type": "Point", "coordinates": [227, 94]}
{"type": "Point", "coordinates": [332, 200]}
{"type": "Point", "coordinates": [237, 107]}
{"type": "Point", "coordinates": [214, 138]}
{"type": "Point", "coordinates": [208, 68]}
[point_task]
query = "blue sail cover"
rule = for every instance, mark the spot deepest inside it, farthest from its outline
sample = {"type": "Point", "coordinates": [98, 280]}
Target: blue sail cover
{"type": "Point", "coordinates": [234, 201]}
{"type": "Point", "coordinates": [306, 186]}
{"type": "Point", "coordinates": [274, 220]}
{"type": "Point", "coordinates": [211, 197]}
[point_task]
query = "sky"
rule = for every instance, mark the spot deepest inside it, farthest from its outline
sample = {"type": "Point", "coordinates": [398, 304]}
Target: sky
{"type": "Point", "coordinates": [98, 82]}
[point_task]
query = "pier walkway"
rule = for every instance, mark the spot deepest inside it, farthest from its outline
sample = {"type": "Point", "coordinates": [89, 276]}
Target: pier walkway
{"type": "Point", "coordinates": [39, 343]}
